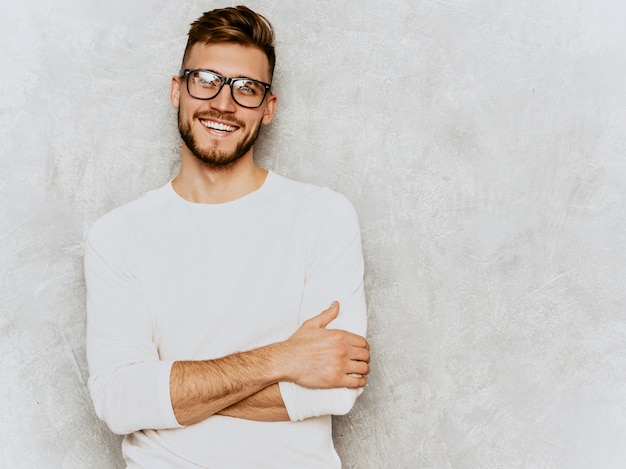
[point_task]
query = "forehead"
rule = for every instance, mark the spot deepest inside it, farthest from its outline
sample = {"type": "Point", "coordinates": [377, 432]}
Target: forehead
{"type": "Point", "coordinates": [230, 59]}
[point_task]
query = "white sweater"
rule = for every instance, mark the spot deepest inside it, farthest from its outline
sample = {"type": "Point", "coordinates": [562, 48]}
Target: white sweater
{"type": "Point", "coordinates": [172, 280]}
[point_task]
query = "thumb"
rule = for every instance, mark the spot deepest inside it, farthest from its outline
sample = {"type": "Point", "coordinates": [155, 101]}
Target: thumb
{"type": "Point", "coordinates": [325, 317]}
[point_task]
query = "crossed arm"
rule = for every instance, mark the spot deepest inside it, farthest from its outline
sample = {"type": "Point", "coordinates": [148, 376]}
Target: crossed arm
{"type": "Point", "coordinates": [317, 370]}
{"type": "Point", "coordinates": [245, 385]}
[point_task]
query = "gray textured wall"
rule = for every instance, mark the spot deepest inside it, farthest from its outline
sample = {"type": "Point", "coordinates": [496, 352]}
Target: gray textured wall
{"type": "Point", "coordinates": [482, 143]}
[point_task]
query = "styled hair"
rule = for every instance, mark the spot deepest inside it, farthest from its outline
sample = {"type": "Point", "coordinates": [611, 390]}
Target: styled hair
{"type": "Point", "coordinates": [238, 25]}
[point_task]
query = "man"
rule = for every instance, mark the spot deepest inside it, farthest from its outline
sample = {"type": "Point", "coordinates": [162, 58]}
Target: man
{"type": "Point", "coordinates": [210, 338]}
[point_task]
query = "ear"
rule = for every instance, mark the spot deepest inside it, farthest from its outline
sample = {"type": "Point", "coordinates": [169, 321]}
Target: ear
{"type": "Point", "coordinates": [175, 92]}
{"type": "Point", "coordinates": [270, 107]}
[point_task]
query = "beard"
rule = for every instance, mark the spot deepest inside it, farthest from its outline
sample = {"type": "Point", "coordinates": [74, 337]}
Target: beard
{"type": "Point", "coordinates": [212, 156]}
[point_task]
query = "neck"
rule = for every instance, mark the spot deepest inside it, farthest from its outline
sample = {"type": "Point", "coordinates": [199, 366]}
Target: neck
{"type": "Point", "coordinates": [199, 183]}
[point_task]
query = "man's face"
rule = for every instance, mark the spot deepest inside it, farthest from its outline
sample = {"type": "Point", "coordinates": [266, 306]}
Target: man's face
{"type": "Point", "coordinates": [219, 132]}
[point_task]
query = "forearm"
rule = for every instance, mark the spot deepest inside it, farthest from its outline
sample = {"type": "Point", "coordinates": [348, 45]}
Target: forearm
{"type": "Point", "coordinates": [265, 406]}
{"type": "Point", "coordinates": [199, 389]}
{"type": "Point", "coordinates": [312, 357]}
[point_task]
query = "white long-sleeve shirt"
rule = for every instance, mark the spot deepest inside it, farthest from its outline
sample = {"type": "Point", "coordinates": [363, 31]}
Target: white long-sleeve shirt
{"type": "Point", "coordinates": [171, 280]}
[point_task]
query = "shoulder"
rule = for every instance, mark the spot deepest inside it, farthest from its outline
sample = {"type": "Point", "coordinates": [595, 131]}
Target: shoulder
{"type": "Point", "coordinates": [310, 197]}
{"type": "Point", "coordinates": [123, 220]}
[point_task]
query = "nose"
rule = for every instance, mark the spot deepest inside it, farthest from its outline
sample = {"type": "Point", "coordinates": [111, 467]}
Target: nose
{"type": "Point", "coordinates": [224, 101]}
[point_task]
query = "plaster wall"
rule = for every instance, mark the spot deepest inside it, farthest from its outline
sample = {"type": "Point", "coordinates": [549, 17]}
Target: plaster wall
{"type": "Point", "coordinates": [482, 144]}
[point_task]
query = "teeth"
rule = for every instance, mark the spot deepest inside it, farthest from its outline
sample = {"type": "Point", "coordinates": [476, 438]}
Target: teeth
{"type": "Point", "coordinates": [218, 126]}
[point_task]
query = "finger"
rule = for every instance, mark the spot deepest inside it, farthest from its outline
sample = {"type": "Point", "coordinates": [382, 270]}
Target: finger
{"type": "Point", "coordinates": [359, 368]}
{"type": "Point", "coordinates": [355, 380]}
{"type": "Point", "coordinates": [360, 355]}
{"type": "Point", "coordinates": [357, 341]}
{"type": "Point", "coordinates": [325, 317]}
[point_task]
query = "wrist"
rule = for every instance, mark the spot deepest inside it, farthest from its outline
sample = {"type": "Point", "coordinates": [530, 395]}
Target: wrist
{"type": "Point", "coordinates": [278, 361]}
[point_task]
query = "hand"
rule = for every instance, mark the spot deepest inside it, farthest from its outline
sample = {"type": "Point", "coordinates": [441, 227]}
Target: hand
{"type": "Point", "coordinates": [317, 357]}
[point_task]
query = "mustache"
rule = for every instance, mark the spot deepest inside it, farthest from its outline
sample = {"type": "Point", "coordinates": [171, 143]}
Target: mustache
{"type": "Point", "coordinates": [218, 116]}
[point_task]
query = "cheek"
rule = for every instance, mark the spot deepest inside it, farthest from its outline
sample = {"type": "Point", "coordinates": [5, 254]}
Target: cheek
{"type": "Point", "coordinates": [256, 120]}
{"type": "Point", "coordinates": [185, 111]}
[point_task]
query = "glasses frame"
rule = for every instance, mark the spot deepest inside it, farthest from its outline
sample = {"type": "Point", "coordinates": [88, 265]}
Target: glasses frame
{"type": "Point", "coordinates": [224, 81]}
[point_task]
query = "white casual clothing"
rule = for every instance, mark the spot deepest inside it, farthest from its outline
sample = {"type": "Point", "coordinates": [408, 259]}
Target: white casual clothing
{"type": "Point", "coordinates": [171, 280]}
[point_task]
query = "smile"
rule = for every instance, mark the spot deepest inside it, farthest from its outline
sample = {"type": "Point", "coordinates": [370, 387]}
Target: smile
{"type": "Point", "coordinates": [218, 126]}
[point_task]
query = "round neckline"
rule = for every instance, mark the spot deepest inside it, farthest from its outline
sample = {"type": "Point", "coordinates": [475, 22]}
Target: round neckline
{"type": "Point", "coordinates": [250, 197]}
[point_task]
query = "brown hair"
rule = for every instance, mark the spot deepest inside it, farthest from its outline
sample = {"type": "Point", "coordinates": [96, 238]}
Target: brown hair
{"type": "Point", "coordinates": [234, 24]}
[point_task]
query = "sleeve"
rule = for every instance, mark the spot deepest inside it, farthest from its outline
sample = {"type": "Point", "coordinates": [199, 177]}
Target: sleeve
{"type": "Point", "coordinates": [334, 272]}
{"type": "Point", "coordinates": [128, 383]}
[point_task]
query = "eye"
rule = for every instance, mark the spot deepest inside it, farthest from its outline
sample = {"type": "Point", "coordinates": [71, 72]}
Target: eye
{"type": "Point", "coordinates": [249, 87]}
{"type": "Point", "coordinates": [206, 80]}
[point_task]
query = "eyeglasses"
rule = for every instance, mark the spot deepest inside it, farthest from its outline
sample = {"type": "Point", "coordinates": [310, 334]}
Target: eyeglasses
{"type": "Point", "coordinates": [204, 84]}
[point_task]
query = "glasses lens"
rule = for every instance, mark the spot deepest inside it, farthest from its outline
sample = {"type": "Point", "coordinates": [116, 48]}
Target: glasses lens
{"type": "Point", "coordinates": [203, 85]}
{"type": "Point", "coordinates": [248, 92]}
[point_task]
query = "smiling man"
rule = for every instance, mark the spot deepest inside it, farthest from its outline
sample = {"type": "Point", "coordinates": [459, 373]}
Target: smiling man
{"type": "Point", "coordinates": [210, 338]}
